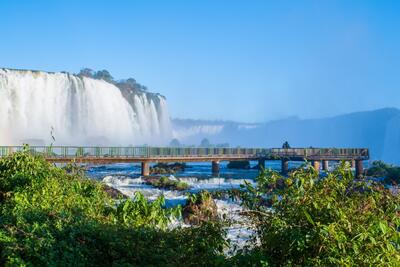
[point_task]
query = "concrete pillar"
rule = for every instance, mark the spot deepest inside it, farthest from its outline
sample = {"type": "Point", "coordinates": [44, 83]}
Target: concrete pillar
{"type": "Point", "coordinates": [325, 165]}
{"type": "Point", "coordinates": [316, 164]}
{"type": "Point", "coordinates": [215, 167]}
{"type": "Point", "coordinates": [353, 163]}
{"type": "Point", "coordinates": [261, 164]}
{"type": "Point", "coordinates": [285, 167]}
{"type": "Point", "coordinates": [145, 168]}
{"type": "Point", "coordinates": [359, 168]}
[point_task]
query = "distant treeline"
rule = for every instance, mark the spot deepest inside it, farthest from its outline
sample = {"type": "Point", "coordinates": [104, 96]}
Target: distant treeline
{"type": "Point", "coordinates": [204, 143]}
{"type": "Point", "coordinates": [127, 84]}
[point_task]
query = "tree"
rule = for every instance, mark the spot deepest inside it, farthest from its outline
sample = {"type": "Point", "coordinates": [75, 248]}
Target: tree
{"type": "Point", "coordinates": [104, 75]}
{"type": "Point", "coordinates": [286, 145]}
{"type": "Point", "coordinates": [86, 72]}
{"type": "Point", "coordinates": [175, 143]}
{"type": "Point", "coordinates": [303, 220]}
{"type": "Point", "coordinates": [131, 82]}
{"type": "Point", "coordinates": [205, 143]}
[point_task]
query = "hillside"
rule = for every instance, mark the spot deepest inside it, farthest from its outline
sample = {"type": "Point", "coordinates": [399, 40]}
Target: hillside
{"type": "Point", "coordinates": [378, 130]}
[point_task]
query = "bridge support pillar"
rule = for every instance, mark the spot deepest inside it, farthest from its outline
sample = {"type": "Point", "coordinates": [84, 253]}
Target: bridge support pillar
{"type": "Point", "coordinates": [359, 168]}
{"type": "Point", "coordinates": [261, 164]}
{"type": "Point", "coordinates": [285, 167]}
{"type": "Point", "coordinates": [353, 163]}
{"type": "Point", "coordinates": [145, 168]}
{"type": "Point", "coordinates": [215, 167]}
{"type": "Point", "coordinates": [325, 165]}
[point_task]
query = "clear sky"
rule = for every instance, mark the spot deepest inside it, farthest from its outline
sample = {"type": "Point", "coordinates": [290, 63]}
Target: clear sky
{"type": "Point", "coordinates": [232, 60]}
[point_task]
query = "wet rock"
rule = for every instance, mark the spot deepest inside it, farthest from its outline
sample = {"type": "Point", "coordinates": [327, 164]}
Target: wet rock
{"type": "Point", "coordinates": [200, 208]}
{"type": "Point", "coordinates": [243, 164]}
{"type": "Point", "coordinates": [113, 193]}
{"type": "Point", "coordinates": [257, 167]}
{"type": "Point", "coordinates": [170, 183]}
{"type": "Point", "coordinates": [165, 168]}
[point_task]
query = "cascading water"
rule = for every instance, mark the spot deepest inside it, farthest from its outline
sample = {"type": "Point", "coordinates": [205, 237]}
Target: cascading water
{"type": "Point", "coordinates": [77, 111]}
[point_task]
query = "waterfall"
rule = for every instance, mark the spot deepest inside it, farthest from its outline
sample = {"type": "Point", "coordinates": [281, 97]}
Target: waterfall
{"type": "Point", "coordinates": [76, 110]}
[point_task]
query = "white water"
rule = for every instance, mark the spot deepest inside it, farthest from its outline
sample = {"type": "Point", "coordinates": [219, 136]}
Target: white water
{"type": "Point", "coordinates": [239, 230]}
{"type": "Point", "coordinates": [80, 110]}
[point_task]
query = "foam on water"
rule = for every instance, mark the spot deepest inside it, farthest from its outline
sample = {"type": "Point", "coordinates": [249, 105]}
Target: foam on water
{"type": "Point", "coordinates": [129, 186]}
{"type": "Point", "coordinates": [238, 232]}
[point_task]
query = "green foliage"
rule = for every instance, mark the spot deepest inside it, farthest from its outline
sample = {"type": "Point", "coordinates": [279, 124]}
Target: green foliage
{"type": "Point", "coordinates": [389, 172]}
{"type": "Point", "coordinates": [104, 75]}
{"type": "Point", "coordinates": [49, 217]}
{"type": "Point", "coordinates": [200, 208]}
{"type": "Point", "coordinates": [15, 172]}
{"type": "Point", "coordinates": [180, 186]}
{"type": "Point", "coordinates": [166, 183]}
{"type": "Point", "coordinates": [141, 213]}
{"type": "Point", "coordinates": [202, 196]}
{"type": "Point", "coordinates": [334, 221]}
{"type": "Point", "coordinates": [129, 84]}
{"type": "Point", "coordinates": [56, 217]}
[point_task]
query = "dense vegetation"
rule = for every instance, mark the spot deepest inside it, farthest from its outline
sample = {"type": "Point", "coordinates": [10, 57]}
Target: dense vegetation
{"type": "Point", "coordinates": [51, 217]}
{"type": "Point", "coordinates": [129, 84]}
{"type": "Point", "coordinates": [390, 173]}
{"type": "Point", "coordinates": [200, 208]}
{"type": "Point", "coordinates": [336, 221]}
{"type": "Point", "coordinates": [167, 183]}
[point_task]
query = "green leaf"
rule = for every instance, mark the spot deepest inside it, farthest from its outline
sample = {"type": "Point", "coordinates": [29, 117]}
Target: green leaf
{"type": "Point", "coordinates": [308, 217]}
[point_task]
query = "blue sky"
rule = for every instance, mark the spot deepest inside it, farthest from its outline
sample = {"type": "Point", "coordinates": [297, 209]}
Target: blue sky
{"type": "Point", "coordinates": [232, 60]}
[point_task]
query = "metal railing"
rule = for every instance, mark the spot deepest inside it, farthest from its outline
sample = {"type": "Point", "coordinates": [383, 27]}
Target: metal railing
{"type": "Point", "coordinates": [320, 152]}
{"type": "Point", "coordinates": [146, 152]}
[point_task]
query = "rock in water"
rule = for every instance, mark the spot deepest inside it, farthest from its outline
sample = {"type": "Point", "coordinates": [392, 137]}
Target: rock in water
{"type": "Point", "coordinates": [113, 193]}
{"type": "Point", "coordinates": [244, 164]}
{"type": "Point", "coordinates": [165, 168]}
{"type": "Point", "coordinates": [200, 208]}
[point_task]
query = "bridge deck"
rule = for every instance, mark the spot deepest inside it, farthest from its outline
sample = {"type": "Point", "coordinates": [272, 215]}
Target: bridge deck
{"type": "Point", "coordinates": [172, 154]}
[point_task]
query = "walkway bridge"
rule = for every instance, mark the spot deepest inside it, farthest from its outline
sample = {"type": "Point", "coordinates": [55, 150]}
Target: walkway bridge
{"type": "Point", "coordinates": [147, 155]}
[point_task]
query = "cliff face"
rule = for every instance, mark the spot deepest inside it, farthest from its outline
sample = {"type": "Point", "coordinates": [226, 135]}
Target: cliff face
{"type": "Point", "coordinates": [378, 130]}
{"type": "Point", "coordinates": [78, 110]}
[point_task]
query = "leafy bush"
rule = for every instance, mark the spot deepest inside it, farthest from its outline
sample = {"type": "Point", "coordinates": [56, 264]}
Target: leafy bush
{"type": "Point", "coordinates": [49, 217]}
{"type": "Point", "coordinates": [140, 212]}
{"type": "Point", "coordinates": [200, 208]}
{"type": "Point", "coordinates": [166, 183]}
{"type": "Point", "coordinates": [334, 221]}
{"type": "Point", "coordinates": [389, 172]}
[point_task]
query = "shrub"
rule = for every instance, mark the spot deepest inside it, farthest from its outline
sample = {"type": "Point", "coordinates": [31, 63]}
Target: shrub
{"type": "Point", "coordinates": [200, 208]}
{"type": "Point", "coordinates": [166, 183]}
{"type": "Point", "coordinates": [334, 221]}
{"type": "Point", "coordinates": [49, 217]}
{"type": "Point", "coordinates": [382, 170]}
